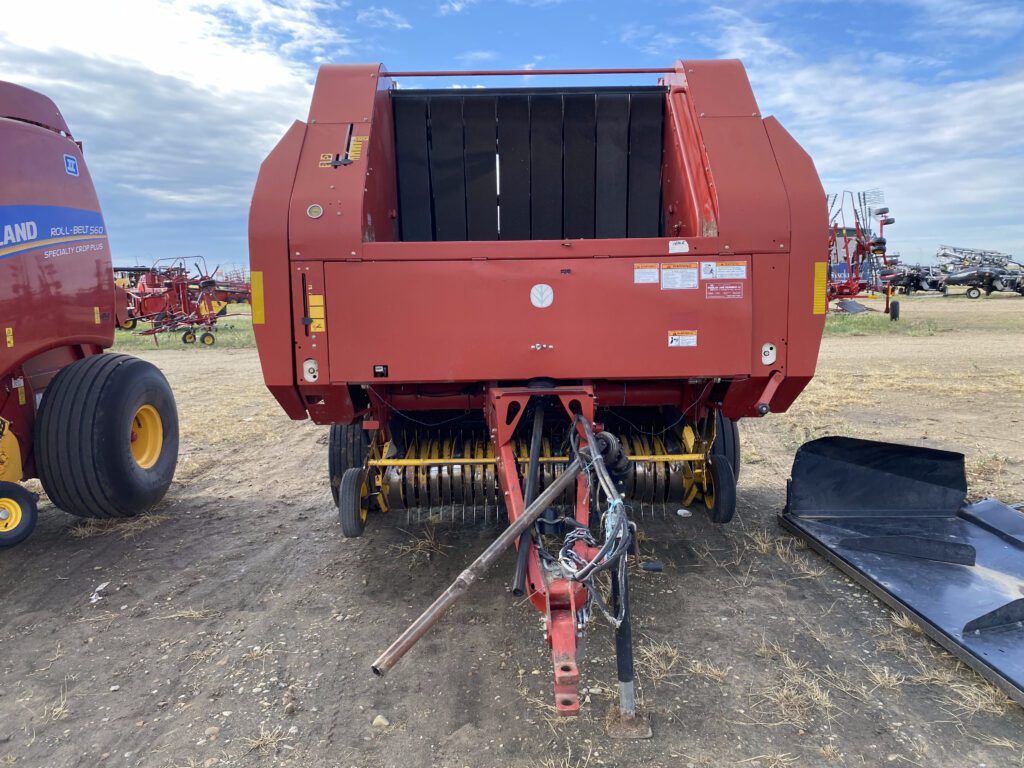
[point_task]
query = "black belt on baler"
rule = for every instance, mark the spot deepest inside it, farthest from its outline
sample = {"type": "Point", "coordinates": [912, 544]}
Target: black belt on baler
{"type": "Point", "coordinates": [893, 517]}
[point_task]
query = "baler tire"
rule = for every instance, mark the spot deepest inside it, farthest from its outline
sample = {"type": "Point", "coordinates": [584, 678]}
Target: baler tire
{"type": "Point", "coordinates": [724, 484]}
{"type": "Point", "coordinates": [129, 324]}
{"type": "Point", "coordinates": [188, 337]}
{"type": "Point", "coordinates": [106, 437]}
{"type": "Point", "coordinates": [207, 339]}
{"type": "Point", "coordinates": [894, 311]}
{"type": "Point", "coordinates": [727, 442]}
{"type": "Point", "coordinates": [973, 293]}
{"type": "Point", "coordinates": [352, 510]}
{"type": "Point", "coordinates": [20, 514]}
{"type": "Point", "coordinates": [347, 447]}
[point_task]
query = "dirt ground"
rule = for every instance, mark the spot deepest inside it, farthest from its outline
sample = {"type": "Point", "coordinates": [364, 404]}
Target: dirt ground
{"type": "Point", "coordinates": [236, 626]}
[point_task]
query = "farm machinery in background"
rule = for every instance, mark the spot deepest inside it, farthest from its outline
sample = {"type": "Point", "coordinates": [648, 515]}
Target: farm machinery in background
{"type": "Point", "coordinates": [99, 430]}
{"type": "Point", "coordinates": [980, 271]}
{"type": "Point", "coordinates": [168, 298]}
{"type": "Point", "coordinates": [857, 264]}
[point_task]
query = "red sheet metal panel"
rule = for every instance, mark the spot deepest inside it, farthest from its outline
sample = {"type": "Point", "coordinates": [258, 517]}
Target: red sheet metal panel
{"type": "Point", "coordinates": [480, 320]}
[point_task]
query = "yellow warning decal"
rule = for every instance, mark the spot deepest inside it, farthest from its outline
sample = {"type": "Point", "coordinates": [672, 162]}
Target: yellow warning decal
{"type": "Point", "coordinates": [10, 337]}
{"type": "Point", "coordinates": [21, 395]}
{"type": "Point", "coordinates": [316, 299]}
{"type": "Point", "coordinates": [355, 147]}
{"type": "Point", "coordinates": [256, 284]}
{"type": "Point", "coordinates": [318, 326]}
{"type": "Point", "coordinates": [326, 160]}
{"type": "Point", "coordinates": [682, 338]}
{"type": "Point", "coordinates": [96, 314]}
{"type": "Point", "coordinates": [316, 313]}
{"type": "Point", "coordinates": [820, 281]}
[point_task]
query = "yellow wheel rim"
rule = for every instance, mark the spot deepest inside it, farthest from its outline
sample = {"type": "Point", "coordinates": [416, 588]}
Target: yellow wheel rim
{"type": "Point", "coordinates": [10, 515]}
{"type": "Point", "coordinates": [208, 340]}
{"type": "Point", "coordinates": [147, 436]}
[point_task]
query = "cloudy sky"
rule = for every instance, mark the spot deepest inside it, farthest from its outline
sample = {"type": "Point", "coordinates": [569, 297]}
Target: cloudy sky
{"type": "Point", "coordinates": [178, 101]}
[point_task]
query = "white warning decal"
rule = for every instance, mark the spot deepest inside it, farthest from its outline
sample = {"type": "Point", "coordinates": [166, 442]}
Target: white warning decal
{"type": "Point", "coordinates": [645, 273]}
{"type": "Point", "coordinates": [682, 338]}
{"type": "Point", "coordinates": [676, 277]}
{"type": "Point", "coordinates": [678, 246]}
{"type": "Point", "coordinates": [723, 270]}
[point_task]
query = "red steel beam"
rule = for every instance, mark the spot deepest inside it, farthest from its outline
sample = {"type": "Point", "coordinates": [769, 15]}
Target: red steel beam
{"type": "Point", "coordinates": [508, 72]}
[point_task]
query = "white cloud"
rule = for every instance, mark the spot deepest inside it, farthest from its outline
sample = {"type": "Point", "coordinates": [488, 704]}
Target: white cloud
{"type": "Point", "coordinates": [652, 41]}
{"type": "Point", "coordinates": [949, 155]}
{"type": "Point", "coordinates": [177, 103]}
{"type": "Point", "coordinates": [477, 57]}
{"type": "Point", "coordinates": [382, 18]}
{"type": "Point", "coordinates": [973, 18]}
{"type": "Point", "coordinates": [455, 6]}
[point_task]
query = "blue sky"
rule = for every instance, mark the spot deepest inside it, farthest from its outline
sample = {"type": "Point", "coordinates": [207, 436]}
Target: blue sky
{"type": "Point", "coordinates": [178, 101]}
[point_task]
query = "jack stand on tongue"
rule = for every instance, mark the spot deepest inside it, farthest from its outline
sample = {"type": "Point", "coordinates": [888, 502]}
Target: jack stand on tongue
{"type": "Point", "coordinates": [625, 722]}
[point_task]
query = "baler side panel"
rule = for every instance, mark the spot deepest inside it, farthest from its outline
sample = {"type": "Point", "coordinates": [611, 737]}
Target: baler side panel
{"type": "Point", "coordinates": [268, 258]}
{"type": "Point", "coordinates": [486, 306]}
{"type": "Point", "coordinates": [809, 228]}
{"type": "Point", "coordinates": [54, 255]}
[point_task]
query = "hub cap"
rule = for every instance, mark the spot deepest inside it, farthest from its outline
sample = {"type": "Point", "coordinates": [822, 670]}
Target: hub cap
{"type": "Point", "coordinates": [147, 436]}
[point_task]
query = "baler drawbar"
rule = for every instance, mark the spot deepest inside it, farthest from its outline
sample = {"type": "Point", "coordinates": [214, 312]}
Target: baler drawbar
{"type": "Point", "coordinates": [541, 305]}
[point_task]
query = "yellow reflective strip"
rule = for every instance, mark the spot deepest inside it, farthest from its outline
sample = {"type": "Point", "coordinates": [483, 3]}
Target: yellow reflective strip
{"type": "Point", "coordinates": [820, 280]}
{"type": "Point", "coordinates": [316, 299]}
{"type": "Point", "coordinates": [316, 313]}
{"type": "Point", "coordinates": [256, 284]}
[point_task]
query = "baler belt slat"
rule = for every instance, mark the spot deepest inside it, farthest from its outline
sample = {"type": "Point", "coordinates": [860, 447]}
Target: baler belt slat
{"type": "Point", "coordinates": [612, 164]}
{"type": "Point", "coordinates": [447, 168]}
{"type": "Point", "coordinates": [415, 218]}
{"type": "Point", "coordinates": [580, 158]}
{"type": "Point", "coordinates": [514, 163]}
{"type": "Point", "coordinates": [546, 167]}
{"type": "Point", "coordinates": [479, 118]}
{"type": "Point", "coordinates": [645, 129]}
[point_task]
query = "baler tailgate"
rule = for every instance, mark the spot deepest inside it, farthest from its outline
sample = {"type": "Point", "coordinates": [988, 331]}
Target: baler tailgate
{"type": "Point", "coordinates": [892, 517]}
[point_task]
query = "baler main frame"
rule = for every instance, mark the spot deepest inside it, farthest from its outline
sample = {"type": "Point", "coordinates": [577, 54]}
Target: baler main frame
{"type": "Point", "coordinates": [649, 260]}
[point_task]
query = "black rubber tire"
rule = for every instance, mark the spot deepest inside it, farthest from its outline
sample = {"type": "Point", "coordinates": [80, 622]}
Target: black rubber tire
{"type": "Point", "coordinates": [29, 514]}
{"type": "Point", "coordinates": [727, 442]}
{"type": "Point", "coordinates": [83, 445]}
{"type": "Point", "coordinates": [894, 311]}
{"type": "Point", "coordinates": [188, 337]}
{"type": "Point", "coordinates": [207, 339]}
{"type": "Point", "coordinates": [724, 484]}
{"type": "Point", "coordinates": [129, 324]}
{"type": "Point", "coordinates": [350, 503]}
{"type": "Point", "coordinates": [347, 447]}
{"type": "Point", "coordinates": [973, 292]}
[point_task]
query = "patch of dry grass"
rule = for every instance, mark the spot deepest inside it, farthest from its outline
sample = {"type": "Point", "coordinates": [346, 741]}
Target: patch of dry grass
{"type": "Point", "coordinates": [187, 613]}
{"type": "Point", "coordinates": [706, 669]}
{"type": "Point", "coordinates": [125, 527]}
{"type": "Point", "coordinates": [422, 548]}
{"type": "Point", "coordinates": [797, 694]}
{"type": "Point", "coordinates": [657, 662]}
{"type": "Point", "coordinates": [267, 742]}
{"type": "Point", "coordinates": [568, 761]}
{"type": "Point", "coordinates": [883, 677]}
{"type": "Point", "coordinates": [58, 710]}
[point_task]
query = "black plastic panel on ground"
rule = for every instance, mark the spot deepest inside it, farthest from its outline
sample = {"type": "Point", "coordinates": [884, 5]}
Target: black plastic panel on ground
{"type": "Point", "coordinates": [529, 164]}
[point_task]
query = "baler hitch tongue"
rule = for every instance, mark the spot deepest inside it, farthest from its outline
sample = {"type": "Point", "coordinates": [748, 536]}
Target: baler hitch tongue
{"type": "Point", "coordinates": [476, 569]}
{"type": "Point", "coordinates": [893, 518]}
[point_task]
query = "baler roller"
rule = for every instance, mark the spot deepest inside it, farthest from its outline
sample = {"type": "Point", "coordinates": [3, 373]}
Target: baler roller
{"type": "Point", "coordinates": [451, 475]}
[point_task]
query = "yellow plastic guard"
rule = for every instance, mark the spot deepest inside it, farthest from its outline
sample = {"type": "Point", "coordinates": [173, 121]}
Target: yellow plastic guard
{"type": "Point", "coordinates": [256, 284]}
{"type": "Point", "coordinates": [820, 280]}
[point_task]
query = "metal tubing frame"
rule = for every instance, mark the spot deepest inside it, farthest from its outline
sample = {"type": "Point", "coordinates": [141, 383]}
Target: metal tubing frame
{"type": "Point", "coordinates": [559, 599]}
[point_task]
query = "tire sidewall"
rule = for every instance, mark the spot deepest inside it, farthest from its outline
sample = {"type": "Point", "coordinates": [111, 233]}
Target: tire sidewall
{"type": "Point", "coordinates": [133, 385]}
{"type": "Point", "coordinates": [29, 514]}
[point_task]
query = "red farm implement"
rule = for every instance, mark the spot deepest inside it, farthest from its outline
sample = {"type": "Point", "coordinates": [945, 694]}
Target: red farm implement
{"type": "Point", "coordinates": [857, 261]}
{"type": "Point", "coordinates": [546, 306]}
{"type": "Point", "coordinates": [99, 430]}
{"type": "Point", "coordinates": [167, 298]}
